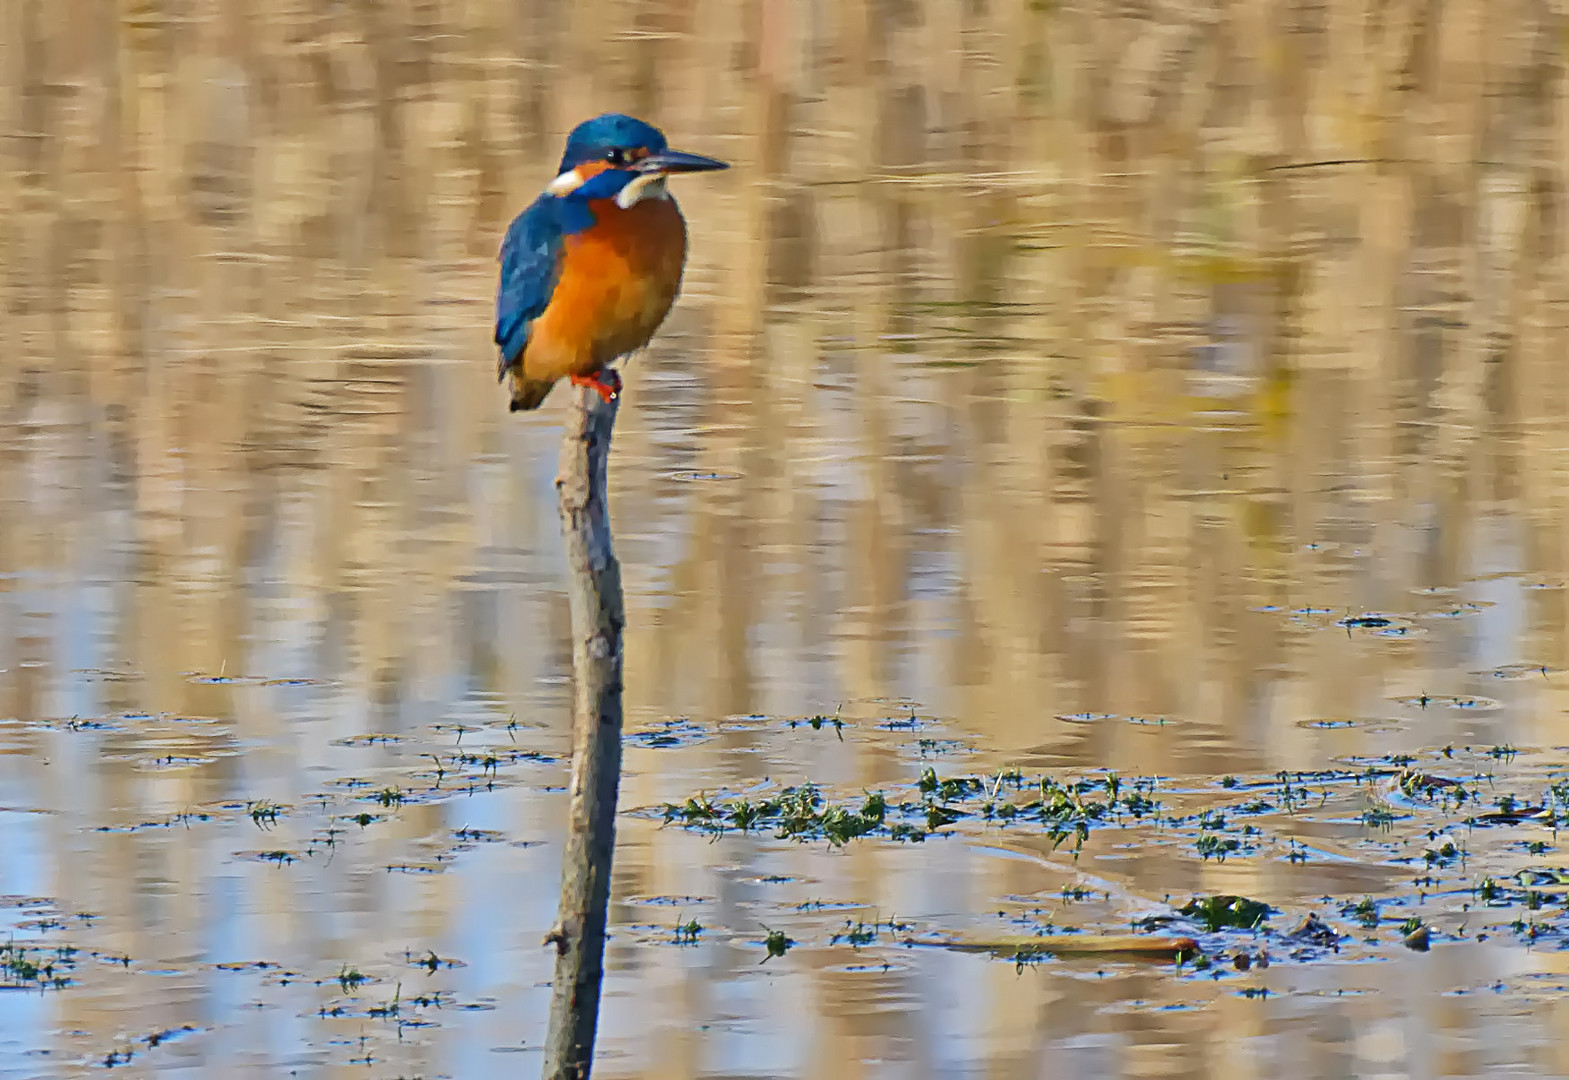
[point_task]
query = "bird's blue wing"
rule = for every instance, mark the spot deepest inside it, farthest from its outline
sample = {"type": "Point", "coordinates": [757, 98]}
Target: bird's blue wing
{"type": "Point", "coordinates": [530, 265]}
{"type": "Point", "coordinates": [531, 258]}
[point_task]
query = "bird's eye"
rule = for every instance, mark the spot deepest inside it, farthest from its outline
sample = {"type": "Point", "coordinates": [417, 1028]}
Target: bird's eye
{"type": "Point", "coordinates": [616, 156]}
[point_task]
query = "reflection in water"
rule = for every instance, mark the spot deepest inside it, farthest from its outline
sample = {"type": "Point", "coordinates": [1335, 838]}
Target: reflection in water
{"type": "Point", "coordinates": [1034, 362]}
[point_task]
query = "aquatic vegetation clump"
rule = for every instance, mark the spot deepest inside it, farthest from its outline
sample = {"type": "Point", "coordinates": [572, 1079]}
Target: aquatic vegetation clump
{"type": "Point", "coordinates": [1066, 810]}
{"type": "Point", "coordinates": [796, 813]}
{"type": "Point", "coordinates": [1224, 912]}
{"type": "Point", "coordinates": [36, 967]}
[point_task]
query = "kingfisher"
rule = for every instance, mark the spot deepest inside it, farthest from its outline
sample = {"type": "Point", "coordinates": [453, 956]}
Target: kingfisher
{"type": "Point", "coordinates": [590, 269]}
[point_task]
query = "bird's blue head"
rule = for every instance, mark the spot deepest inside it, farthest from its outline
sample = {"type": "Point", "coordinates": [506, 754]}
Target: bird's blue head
{"type": "Point", "coordinates": [620, 157]}
{"type": "Point", "coordinates": [612, 138]}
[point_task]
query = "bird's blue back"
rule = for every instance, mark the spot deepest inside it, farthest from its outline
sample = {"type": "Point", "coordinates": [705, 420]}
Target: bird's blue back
{"type": "Point", "coordinates": [531, 256]}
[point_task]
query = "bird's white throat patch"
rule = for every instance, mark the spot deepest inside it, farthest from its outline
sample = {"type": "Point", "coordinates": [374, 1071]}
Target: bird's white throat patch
{"type": "Point", "coordinates": [649, 186]}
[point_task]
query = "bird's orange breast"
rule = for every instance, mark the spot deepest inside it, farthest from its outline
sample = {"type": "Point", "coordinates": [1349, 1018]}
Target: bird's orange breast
{"type": "Point", "coordinates": [618, 280]}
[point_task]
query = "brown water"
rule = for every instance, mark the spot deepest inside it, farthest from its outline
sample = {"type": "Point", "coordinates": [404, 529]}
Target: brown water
{"type": "Point", "coordinates": [1032, 403]}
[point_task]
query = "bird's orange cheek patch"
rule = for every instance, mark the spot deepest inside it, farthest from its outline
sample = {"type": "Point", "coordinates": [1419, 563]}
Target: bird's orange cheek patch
{"type": "Point", "coordinates": [575, 178]}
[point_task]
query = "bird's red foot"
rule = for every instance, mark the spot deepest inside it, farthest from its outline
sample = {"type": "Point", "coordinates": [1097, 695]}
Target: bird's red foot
{"type": "Point", "coordinates": [604, 382]}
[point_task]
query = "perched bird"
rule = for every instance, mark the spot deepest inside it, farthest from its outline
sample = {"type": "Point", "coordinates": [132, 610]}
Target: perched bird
{"type": "Point", "coordinates": [590, 269]}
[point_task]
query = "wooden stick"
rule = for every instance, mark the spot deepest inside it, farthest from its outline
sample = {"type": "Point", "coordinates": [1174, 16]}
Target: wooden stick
{"type": "Point", "coordinates": [594, 584]}
{"type": "Point", "coordinates": [1130, 946]}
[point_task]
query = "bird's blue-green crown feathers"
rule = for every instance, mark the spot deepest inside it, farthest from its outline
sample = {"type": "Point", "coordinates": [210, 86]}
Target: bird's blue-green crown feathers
{"type": "Point", "coordinates": [591, 139]}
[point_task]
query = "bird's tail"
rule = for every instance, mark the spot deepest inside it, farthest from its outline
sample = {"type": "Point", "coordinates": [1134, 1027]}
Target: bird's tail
{"type": "Point", "coordinates": [528, 394]}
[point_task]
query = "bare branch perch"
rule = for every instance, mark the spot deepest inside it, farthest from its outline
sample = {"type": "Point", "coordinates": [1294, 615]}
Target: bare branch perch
{"type": "Point", "coordinates": [594, 583]}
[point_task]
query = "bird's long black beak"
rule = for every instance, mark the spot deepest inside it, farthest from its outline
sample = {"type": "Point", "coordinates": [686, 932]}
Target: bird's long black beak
{"type": "Point", "coordinates": [677, 161]}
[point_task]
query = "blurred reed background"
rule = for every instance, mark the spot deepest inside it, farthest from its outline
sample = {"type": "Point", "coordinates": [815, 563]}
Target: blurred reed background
{"type": "Point", "coordinates": [995, 257]}
{"type": "Point", "coordinates": [1034, 359]}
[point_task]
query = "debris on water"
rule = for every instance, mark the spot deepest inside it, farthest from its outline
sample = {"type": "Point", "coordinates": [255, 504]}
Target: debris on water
{"type": "Point", "coordinates": [1442, 850]}
{"type": "Point", "coordinates": [1526, 670]}
{"type": "Point", "coordinates": [672, 732]}
{"type": "Point", "coordinates": [1154, 947]}
{"type": "Point", "coordinates": [1542, 876]}
{"type": "Point", "coordinates": [777, 943]}
{"type": "Point", "coordinates": [1227, 912]}
{"type": "Point", "coordinates": [37, 966]}
{"type": "Point", "coordinates": [818, 722]}
{"type": "Point", "coordinates": [1413, 782]}
{"type": "Point", "coordinates": [369, 739]}
{"type": "Point", "coordinates": [1365, 912]}
{"type": "Point", "coordinates": [1511, 815]}
{"type": "Point", "coordinates": [858, 934]}
{"type": "Point", "coordinates": [1366, 622]}
{"type": "Point", "coordinates": [1462, 703]}
{"type": "Point", "coordinates": [277, 857]}
{"type": "Point", "coordinates": [1314, 931]}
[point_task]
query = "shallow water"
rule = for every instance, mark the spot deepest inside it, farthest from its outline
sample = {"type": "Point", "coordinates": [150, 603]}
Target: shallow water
{"type": "Point", "coordinates": [1020, 413]}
